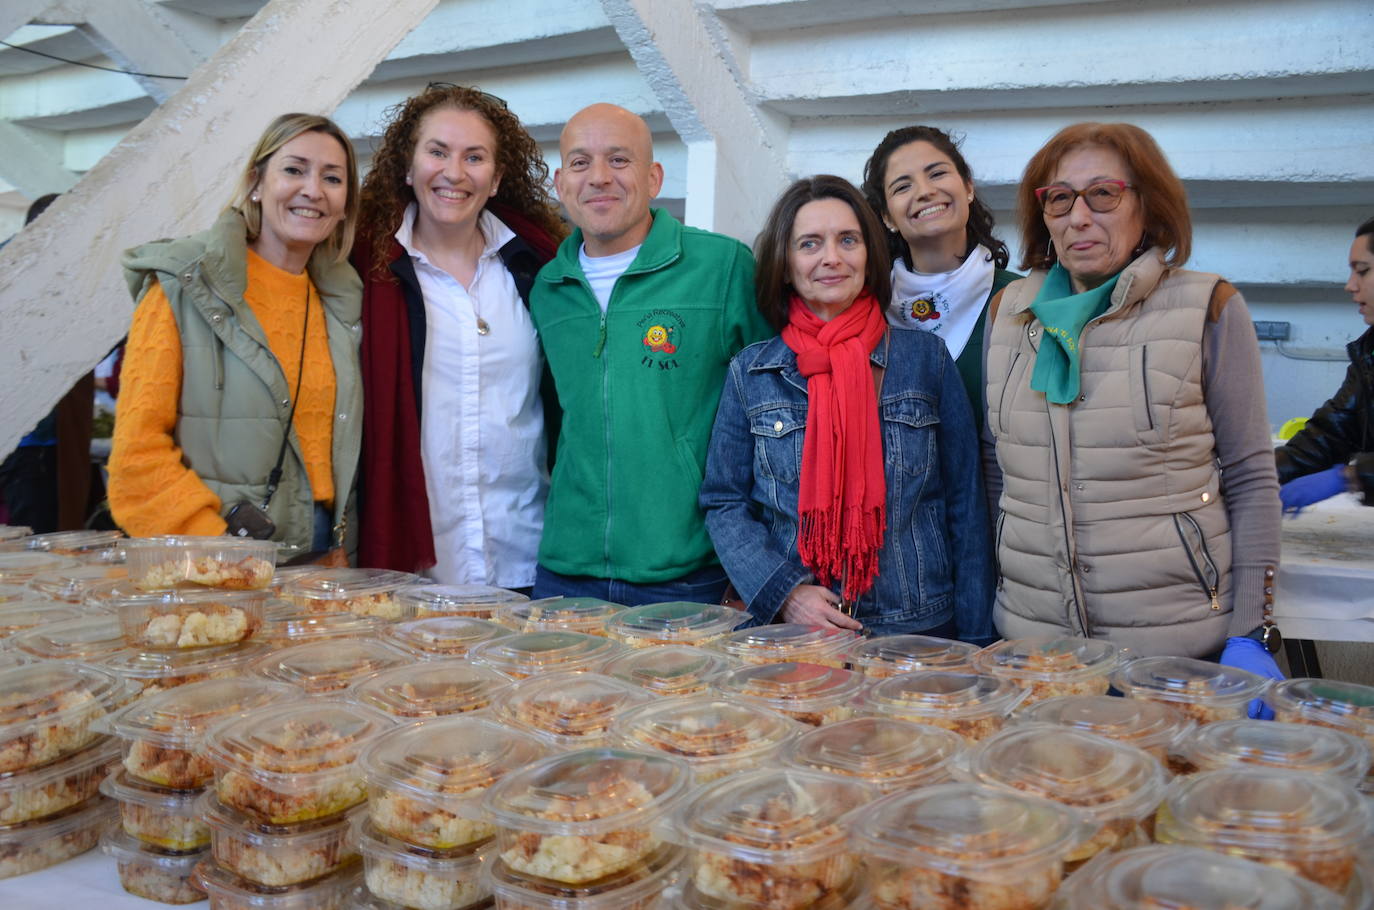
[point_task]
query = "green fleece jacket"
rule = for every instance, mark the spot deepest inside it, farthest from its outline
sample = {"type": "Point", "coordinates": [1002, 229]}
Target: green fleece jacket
{"type": "Point", "coordinates": [639, 387]}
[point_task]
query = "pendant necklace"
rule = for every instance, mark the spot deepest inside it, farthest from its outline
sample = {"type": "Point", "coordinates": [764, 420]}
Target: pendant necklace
{"type": "Point", "coordinates": [482, 327]}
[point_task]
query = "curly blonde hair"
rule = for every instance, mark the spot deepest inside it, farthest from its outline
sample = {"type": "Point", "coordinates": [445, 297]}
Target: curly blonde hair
{"type": "Point", "coordinates": [524, 175]}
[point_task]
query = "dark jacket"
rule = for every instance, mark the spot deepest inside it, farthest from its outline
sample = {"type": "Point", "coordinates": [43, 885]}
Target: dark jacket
{"type": "Point", "coordinates": [1339, 432]}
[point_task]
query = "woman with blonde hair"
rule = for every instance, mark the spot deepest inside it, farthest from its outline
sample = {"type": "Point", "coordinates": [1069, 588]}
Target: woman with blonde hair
{"type": "Point", "coordinates": [456, 220]}
{"type": "Point", "coordinates": [240, 407]}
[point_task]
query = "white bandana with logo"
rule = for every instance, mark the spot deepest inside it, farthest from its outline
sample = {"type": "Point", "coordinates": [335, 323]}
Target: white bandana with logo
{"type": "Point", "coordinates": [945, 303]}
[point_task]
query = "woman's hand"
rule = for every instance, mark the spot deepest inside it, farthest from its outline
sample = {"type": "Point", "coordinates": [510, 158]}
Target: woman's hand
{"type": "Point", "coordinates": [813, 605]}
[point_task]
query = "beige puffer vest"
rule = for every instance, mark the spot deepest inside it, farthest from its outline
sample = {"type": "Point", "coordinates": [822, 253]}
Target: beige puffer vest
{"type": "Point", "coordinates": [1112, 521]}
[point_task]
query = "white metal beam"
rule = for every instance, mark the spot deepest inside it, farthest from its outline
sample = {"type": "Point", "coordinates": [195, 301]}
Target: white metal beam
{"type": "Point", "coordinates": [32, 161]}
{"type": "Point", "coordinates": [151, 39]}
{"type": "Point", "coordinates": [170, 175]}
{"type": "Point", "coordinates": [14, 14]}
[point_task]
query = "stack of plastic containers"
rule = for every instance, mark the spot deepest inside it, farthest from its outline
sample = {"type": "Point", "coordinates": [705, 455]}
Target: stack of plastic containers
{"type": "Point", "coordinates": [569, 614]}
{"type": "Point", "coordinates": [52, 759]}
{"type": "Point", "coordinates": [362, 592]}
{"type": "Point", "coordinates": [427, 834]}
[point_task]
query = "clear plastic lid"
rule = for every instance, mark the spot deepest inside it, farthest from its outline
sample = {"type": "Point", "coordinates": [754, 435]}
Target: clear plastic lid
{"type": "Point", "coordinates": [73, 543]}
{"type": "Point", "coordinates": [154, 667]}
{"type": "Point", "coordinates": [447, 757]}
{"type": "Point", "coordinates": [14, 532]}
{"type": "Point", "coordinates": [295, 739]}
{"type": "Point", "coordinates": [228, 890]}
{"type": "Point", "coordinates": [1105, 778]}
{"type": "Point", "coordinates": [967, 830]}
{"type": "Point", "coordinates": [320, 667]}
{"type": "Point", "coordinates": [38, 791]}
{"type": "Point", "coordinates": [233, 563]}
{"type": "Point", "coordinates": [1324, 701]}
{"type": "Point", "coordinates": [930, 692]}
{"type": "Point", "coordinates": [286, 575]}
{"type": "Point", "coordinates": [478, 601]}
{"type": "Point", "coordinates": [587, 792]}
{"type": "Point", "coordinates": [1163, 877]}
{"type": "Point", "coordinates": [669, 669]}
{"type": "Point", "coordinates": [793, 687]}
{"type": "Point", "coordinates": [178, 718]}
{"type": "Point", "coordinates": [571, 614]}
{"type": "Point", "coordinates": [1297, 747]}
{"type": "Point", "coordinates": [1188, 681]}
{"type": "Point", "coordinates": [1147, 725]}
{"type": "Point", "coordinates": [568, 709]}
{"type": "Point", "coordinates": [285, 623]}
{"type": "Point", "coordinates": [703, 729]}
{"type": "Point", "coordinates": [889, 655]}
{"type": "Point", "coordinates": [771, 816]}
{"type": "Point", "coordinates": [674, 623]}
{"type": "Point", "coordinates": [449, 867]}
{"type": "Point", "coordinates": [370, 592]}
{"type": "Point", "coordinates": [331, 836]}
{"type": "Point", "coordinates": [55, 834]}
{"type": "Point", "coordinates": [18, 567]}
{"type": "Point", "coordinates": [129, 850]}
{"type": "Point", "coordinates": [1050, 659]}
{"type": "Point", "coordinates": [119, 785]}
{"type": "Point", "coordinates": [12, 591]}
{"type": "Point", "coordinates": [18, 615]}
{"type": "Point", "coordinates": [635, 888]}
{"type": "Point", "coordinates": [526, 654]}
{"type": "Point", "coordinates": [46, 710]}
{"type": "Point", "coordinates": [889, 753]}
{"type": "Point", "coordinates": [442, 636]}
{"type": "Point", "coordinates": [91, 637]}
{"type": "Point", "coordinates": [72, 584]}
{"type": "Point", "coordinates": [788, 641]}
{"type": "Point", "coordinates": [430, 689]}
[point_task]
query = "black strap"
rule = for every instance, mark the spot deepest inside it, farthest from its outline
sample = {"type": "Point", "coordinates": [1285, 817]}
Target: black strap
{"type": "Point", "coordinates": [274, 478]}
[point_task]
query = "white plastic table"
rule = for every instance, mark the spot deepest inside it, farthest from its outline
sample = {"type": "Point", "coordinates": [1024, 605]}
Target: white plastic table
{"type": "Point", "coordinates": [85, 882]}
{"type": "Point", "coordinates": [1325, 586]}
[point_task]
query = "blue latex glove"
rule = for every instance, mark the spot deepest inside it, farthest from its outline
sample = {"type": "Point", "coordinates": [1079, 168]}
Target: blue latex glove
{"type": "Point", "coordinates": [1248, 654]}
{"type": "Point", "coordinates": [1302, 492]}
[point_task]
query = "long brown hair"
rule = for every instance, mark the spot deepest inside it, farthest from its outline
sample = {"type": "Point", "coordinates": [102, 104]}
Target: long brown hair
{"type": "Point", "coordinates": [524, 175]}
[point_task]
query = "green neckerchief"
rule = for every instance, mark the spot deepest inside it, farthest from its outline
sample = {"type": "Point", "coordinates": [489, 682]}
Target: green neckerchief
{"type": "Point", "coordinates": [1063, 314]}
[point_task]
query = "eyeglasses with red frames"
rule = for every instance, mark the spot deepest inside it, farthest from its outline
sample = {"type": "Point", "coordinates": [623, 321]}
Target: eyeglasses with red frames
{"type": "Point", "coordinates": [1103, 196]}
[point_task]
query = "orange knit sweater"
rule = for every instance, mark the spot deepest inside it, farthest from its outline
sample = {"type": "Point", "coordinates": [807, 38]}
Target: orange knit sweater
{"type": "Point", "coordinates": [152, 490]}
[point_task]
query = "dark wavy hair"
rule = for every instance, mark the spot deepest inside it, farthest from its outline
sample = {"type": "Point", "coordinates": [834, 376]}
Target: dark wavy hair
{"type": "Point", "coordinates": [980, 221]}
{"type": "Point", "coordinates": [1367, 230]}
{"type": "Point", "coordinates": [771, 287]}
{"type": "Point", "coordinates": [385, 195]}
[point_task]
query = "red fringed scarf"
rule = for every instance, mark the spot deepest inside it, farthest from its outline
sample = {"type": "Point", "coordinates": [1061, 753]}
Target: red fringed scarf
{"type": "Point", "coordinates": [842, 503]}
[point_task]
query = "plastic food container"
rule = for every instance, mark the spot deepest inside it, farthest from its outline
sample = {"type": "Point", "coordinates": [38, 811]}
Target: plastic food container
{"type": "Point", "coordinates": [782, 642]}
{"type": "Point", "coordinates": [276, 856]}
{"type": "Point", "coordinates": [421, 879]}
{"type": "Point", "coordinates": [430, 689]}
{"type": "Point", "coordinates": [425, 780]}
{"type": "Point", "coordinates": [674, 623]}
{"type": "Point", "coordinates": [1296, 747]}
{"type": "Point", "coordinates": [91, 638]}
{"type": "Point", "coordinates": [440, 637]}
{"type": "Point", "coordinates": [363, 592]}
{"type": "Point", "coordinates": [527, 654]}
{"type": "Point", "coordinates": [48, 789]}
{"type": "Point", "coordinates": [569, 710]}
{"type": "Point", "coordinates": [1204, 691]}
{"type": "Point", "coordinates": [583, 815]}
{"type": "Point", "coordinates": [889, 753]}
{"type": "Point", "coordinates": [153, 874]}
{"type": "Point", "coordinates": [286, 624]}
{"type": "Point", "coordinates": [776, 839]}
{"type": "Point", "coordinates": [40, 844]}
{"type": "Point", "coordinates": [962, 846]}
{"type": "Point", "coordinates": [476, 601]}
{"type": "Point", "coordinates": [287, 575]}
{"type": "Point", "coordinates": [1047, 666]}
{"type": "Point", "coordinates": [324, 667]}
{"type": "Point", "coordinates": [163, 733]}
{"type": "Point", "coordinates": [811, 693]}
{"type": "Point", "coordinates": [889, 655]}
{"type": "Point", "coordinates": [10, 591]}
{"type": "Point", "coordinates": [157, 671]}
{"type": "Point", "coordinates": [971, 704]}
{"type": "Point", "coordinates": [636, 888]}
{"type": "Point", "coordinates": [159, 817]}
{"type": "Point", "coordinates": [714, 737]}
{"type": "Point", "coordinates": [47, 710]}
{"type": "Point", "coordinates": [189, 619]}
{"type": "Point", "coordinates": [18, 615]}
{"type": "Point", "coordinates": [672, 670]}
{"type": "Point", "coordinates": [73, 543]}
{"type": "Point", "coordinates": [1117, 785]}
{"type": "Point", "coordinates": [290, 763]}
{"type": "Point", "coordinates": [1310, 824]}
{"type": "Point", "coordinates": [553, 614]}
{"type": "Point", "coordinates": [1325, 703]}
{"type": "Point", "coordinates": [228, 891]}
{"type": "Point", "coordinates": [20, 566]}
{"type": "Point", "coordinates": [228, 563]}
{"type": "Point", "coordinates": [71, 585]}
{"type": "Point", "coordinates": [1148, 725]}
{"type": "Point", "coordinates": [14, 532]}
{"type": "Point", "coordinates": [1145, 878]}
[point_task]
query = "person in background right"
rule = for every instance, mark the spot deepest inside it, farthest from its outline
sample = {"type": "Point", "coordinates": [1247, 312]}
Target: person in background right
{"type": "Point", "coordinates": [1334, 452]}
{"type": "Point", "coordinates": [1139, 501]}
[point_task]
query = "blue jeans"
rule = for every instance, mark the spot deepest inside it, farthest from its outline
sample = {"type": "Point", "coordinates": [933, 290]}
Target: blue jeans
{"type": "Point", "coordinates": [704, 586]}
{"type": "Point", "coordinates": [322, 536]}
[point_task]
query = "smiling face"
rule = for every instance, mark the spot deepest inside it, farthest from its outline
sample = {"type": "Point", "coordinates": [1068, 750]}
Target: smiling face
{"type": "Point", "coordinates": [1094, 246]}
{"type": "Point", "coordinates": [1361, 283]}
{"type": "Point", "coordinates": [927, 201]}
{"type": "Point", "coordinates": [452, 169]}
{"type": "Point", "coordinates": [608, 177]}
{"type": "Point", "coordinates": [826, 256]}
{"type": "Point", "coordinates": [303, 191]}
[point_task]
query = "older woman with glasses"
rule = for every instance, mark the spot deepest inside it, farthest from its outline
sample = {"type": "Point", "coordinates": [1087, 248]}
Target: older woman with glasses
{"type": "Point", "coordinates": [1139, 500]}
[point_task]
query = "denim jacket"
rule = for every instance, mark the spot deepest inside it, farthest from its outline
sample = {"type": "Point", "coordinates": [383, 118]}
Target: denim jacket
{"type": "Point", "coordinates": [936, 561]}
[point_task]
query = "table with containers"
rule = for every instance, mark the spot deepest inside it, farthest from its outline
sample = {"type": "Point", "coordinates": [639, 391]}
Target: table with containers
{"type": "Point", "coordinates": [183, 717]}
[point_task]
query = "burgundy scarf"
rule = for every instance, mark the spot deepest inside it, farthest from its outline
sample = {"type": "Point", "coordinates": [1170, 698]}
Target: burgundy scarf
{"type": "Point", "coordinates": [842, 502]}
{"type": "Point", "coordinates": [394, 530]}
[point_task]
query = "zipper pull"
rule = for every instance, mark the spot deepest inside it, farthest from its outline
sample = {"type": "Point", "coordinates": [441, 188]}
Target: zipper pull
{"type": "Point", "coordinates": [1215, 606]}
{"type": "Point", "coordinates": [600, 337]}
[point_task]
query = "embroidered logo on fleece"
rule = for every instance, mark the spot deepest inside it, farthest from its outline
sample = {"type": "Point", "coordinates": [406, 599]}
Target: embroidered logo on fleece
{"type": "Point", "coordinates": [663, 334]}
{"type": "Point", "coordinates": [928, 307]}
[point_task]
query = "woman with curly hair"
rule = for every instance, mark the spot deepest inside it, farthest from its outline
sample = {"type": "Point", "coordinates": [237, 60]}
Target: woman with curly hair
{"type": "Point", "coordinates": [456, 220]}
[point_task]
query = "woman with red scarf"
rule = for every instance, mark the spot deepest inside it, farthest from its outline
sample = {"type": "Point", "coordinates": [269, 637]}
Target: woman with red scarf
{"type": "Point", "coordinates": [842, 484]}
